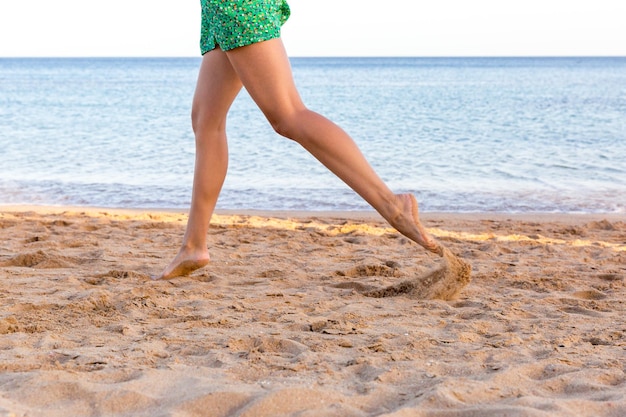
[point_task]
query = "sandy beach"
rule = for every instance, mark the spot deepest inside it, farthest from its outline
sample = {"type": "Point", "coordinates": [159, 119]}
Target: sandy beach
{"type": "Point", "coordinates": [278, 324]}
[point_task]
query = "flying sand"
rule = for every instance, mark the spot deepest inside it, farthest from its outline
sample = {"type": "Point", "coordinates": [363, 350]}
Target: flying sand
{"type": "Point", "coordinates": [445, 282]}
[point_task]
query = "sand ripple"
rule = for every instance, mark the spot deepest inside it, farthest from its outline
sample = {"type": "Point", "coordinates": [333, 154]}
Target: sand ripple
{"type": "Point", "coordinates": [279, 323]}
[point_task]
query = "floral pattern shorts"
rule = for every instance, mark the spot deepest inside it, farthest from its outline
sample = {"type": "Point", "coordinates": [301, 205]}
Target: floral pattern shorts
{"type": "Point", "coordinates": [230, 24]}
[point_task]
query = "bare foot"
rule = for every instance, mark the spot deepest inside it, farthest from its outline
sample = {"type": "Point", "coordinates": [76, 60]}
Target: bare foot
{"type": "Point", "coordinates": [183, 264]}
{"type": "Point", "coordinates": [406, 221]}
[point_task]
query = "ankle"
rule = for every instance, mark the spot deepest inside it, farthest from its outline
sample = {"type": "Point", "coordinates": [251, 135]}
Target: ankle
{"type": "Point", "coordinates": [395, 208]}
{"type": "Point", "coordinates": [385, 204]}
{"type": "Point", "coordinates": [193, 247]}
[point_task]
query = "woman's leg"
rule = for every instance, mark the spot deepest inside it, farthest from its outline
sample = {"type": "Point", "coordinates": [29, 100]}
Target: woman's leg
{"type": "Point", "coordinates": [217, 87]}
{"type": "Point", "coordinates": [265, 71]}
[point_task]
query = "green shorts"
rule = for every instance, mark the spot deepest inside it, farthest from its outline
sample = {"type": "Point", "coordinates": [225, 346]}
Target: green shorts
{"type": "Point", "coordinates": [230, 24]}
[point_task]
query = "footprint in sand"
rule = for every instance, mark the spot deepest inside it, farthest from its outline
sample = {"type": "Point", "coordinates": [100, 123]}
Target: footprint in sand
{"type": "Point", "coordinates": [123, 274]}
{"type": "Point", "coordinates": [49, 260]}
{"type": "Point", "coordinates": [334, 327]}
{"type": "Point", "coordinates": [38, 260]}
{"type": "Point", "coordinates": [611, 277]}
{"type": "Point", "coordinates": [388, 269]}
{"type": "Point", "coordinates": [268, 345]}
{"type": "Point", "coordinates": [61, 223]}
{"type": "Point", "coordinates": [589, 295]}
{"type": "Point", "coordinates": [580, 310]}
{"type": "Point", "coordinates": [444, 283]}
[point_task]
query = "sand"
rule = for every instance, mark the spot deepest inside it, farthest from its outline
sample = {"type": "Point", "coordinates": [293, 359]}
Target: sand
{"type": "Point", "coordinates": [294, 317]}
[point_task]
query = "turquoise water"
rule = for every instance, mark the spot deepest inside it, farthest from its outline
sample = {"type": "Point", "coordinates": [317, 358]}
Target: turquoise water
{"type": "Point", "coordinates": [476, 134]}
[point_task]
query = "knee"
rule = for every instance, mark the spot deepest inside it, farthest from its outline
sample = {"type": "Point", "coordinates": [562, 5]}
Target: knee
{"type": "Point", "coordinates": [283, 127]}
{"type": "Point", "coordinates": [288, 124]}
{"type": "Point", "coordinates": [198, 121]}
{"type": "Point", "coordinates": [202, 124]}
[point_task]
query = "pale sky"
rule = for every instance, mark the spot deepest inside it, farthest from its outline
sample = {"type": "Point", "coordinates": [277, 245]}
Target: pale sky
{"type": "Point", "coordinates": [324, 28]}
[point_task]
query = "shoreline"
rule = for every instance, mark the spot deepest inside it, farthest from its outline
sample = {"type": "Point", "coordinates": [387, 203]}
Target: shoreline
{"type": "Point", "coordinates": [364, 215]}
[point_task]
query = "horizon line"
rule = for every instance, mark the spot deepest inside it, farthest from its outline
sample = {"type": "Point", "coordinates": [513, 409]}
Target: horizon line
{"type": "Point", "coordinates": [312, 56]}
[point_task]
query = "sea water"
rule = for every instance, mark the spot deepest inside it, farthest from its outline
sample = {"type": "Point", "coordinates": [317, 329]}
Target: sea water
{"type": "Point", "coordinates": [463, 134]}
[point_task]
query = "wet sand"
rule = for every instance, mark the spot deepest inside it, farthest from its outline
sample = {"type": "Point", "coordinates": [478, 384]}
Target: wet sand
{"type": "Point", "coordinates": [292, 316]}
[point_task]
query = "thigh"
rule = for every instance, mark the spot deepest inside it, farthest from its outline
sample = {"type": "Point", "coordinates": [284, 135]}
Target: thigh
{"type": "Point", "coordinates": [217, 87]}
{"type": "Point", "coordinates": [265, 72]}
